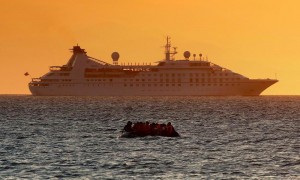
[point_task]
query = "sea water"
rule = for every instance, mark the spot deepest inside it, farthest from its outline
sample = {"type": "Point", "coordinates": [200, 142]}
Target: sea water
{"type": "Point", "coordinates": [78, 138]}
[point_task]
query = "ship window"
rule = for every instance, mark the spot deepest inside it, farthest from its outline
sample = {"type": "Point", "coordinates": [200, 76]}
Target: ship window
{"type": "Point", "coordinates": [161, 84]}
{"type": "Point", "coordinates": [167, 84]}
{"type": "Point", "coordinates": [137, 85]}
{"type": "Point", "coordinates": [167, 75]}
{"type": "Point", "coordinates": [131, 84]}
{"type": "Point", "coordinates": [149, 85]}
{"type": "Point", "coordinates": [179, 84]}
{"type": "Point", "coordinates": [137, 79]}
{"type": "Point", "coordinates": [161, 75]}
{"type": "Point", "coordinates": [191, 84]}
{"type": "Point", "coordinates": [208, 84]}
{"type": "Point", "coordinates": [173, 75]}
{"type": "Point", "coordinates": [191, 80]}
{"type": "Point", "coordinates": [173, 84]}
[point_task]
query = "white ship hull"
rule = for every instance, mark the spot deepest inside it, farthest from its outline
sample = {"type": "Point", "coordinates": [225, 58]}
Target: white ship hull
{"type": "Point", "coordinates": [251, 88]}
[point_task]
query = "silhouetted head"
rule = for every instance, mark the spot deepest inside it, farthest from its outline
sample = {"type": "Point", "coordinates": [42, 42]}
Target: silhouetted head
{"type": "Point", "coordinates": [169, 124]}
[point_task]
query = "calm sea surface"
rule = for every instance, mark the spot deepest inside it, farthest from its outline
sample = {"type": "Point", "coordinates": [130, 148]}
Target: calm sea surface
{"type": "Point", "coordinates": [221, 138]}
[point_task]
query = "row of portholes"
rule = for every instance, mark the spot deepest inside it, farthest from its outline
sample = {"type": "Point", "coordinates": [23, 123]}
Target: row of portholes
{"type": "Point", "coordinates": [214, 84]}
{"type": "Point", "coordinates": [167, 85]}
{"type": "Point", "coordinates": [148, 85]}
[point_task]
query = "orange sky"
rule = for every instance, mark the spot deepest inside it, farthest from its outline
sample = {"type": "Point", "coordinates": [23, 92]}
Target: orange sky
{"type": "Point", "coordinates": [256, 38]}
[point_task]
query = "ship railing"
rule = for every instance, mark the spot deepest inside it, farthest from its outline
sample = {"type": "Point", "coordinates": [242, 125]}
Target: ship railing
{"type": "Point", "coordinates": [130, 68]}
{"type": "Point", "coordinates": [60, 68]}
{"type": "Point", "coordinates": [35, 80]}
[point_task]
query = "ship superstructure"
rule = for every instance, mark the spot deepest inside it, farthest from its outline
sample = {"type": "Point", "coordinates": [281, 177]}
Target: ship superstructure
{"type": "Point", "coordinates": [87, 76]}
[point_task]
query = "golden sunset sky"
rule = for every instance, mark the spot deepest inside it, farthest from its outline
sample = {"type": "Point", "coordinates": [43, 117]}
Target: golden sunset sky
{"type": "Point", "coordinates": [255, 38]}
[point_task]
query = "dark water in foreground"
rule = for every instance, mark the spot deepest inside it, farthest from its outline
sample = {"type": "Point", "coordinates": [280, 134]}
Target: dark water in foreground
{"type": "Point", "coordinates": [222, 137]}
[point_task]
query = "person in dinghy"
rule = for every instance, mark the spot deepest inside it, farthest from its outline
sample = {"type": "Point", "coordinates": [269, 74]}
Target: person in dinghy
{"type": "Point", "coordinates": [141, 129]}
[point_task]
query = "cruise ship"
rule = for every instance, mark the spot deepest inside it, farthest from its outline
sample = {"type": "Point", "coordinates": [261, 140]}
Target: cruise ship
{"type": "Point", "coordinates": [190, 76]}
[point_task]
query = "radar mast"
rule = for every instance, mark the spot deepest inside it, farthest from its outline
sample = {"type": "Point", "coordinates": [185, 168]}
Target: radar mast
{"type": "Point", "coordinates": [168, 51]}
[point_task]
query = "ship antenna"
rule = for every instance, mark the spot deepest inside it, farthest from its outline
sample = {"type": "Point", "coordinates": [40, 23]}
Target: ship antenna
{"type": "Point", "coordinates": [200, 55]}
{"type": "Point", "coordinates": [168, 52]}
{"type": "Point", "coordinates": [167, 49]}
